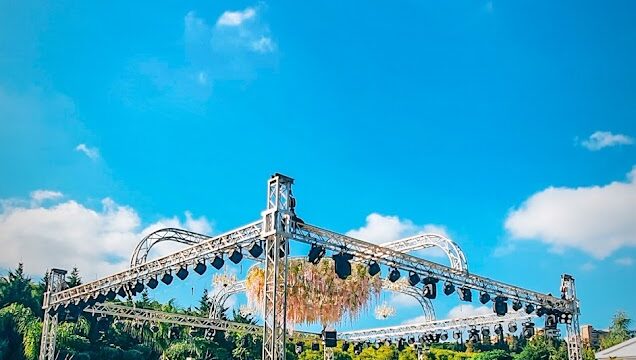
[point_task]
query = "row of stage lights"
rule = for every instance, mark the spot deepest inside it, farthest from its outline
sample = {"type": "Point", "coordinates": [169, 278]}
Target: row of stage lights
{"type": "Point", "coordinates": [474, 336]}
{"type": "Point", "coordinates": [500, 303]}
{"type": "Point", "coordinates": [72, 310]}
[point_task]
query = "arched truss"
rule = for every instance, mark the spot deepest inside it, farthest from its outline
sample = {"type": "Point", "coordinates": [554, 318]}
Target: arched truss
{"type": "Point", "coordinates": [423, 241]}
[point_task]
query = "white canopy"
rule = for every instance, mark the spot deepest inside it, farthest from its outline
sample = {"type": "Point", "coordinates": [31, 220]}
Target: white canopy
{"type": "Point", "coordinates": [623, 351]}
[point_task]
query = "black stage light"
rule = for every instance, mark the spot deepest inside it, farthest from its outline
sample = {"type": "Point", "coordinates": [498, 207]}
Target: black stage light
{"type": "Point", "coordinates": [374, 268]}
{"type": "Point", "coordinates": [387, 342]}
{"type": "Point", "coordinates": [498, 329]}
{"type": "Point", "coordinates": [565, 318]}
{"type": "Point", "coordinates": [457, 334]}
{"type": "Point", "coordinates": [414, 278]}
{"type": "Point", "coordinates": [449, 288]}
{"type": "Point", "coordinates": [500, 306]}
{"type": "Point", "coordinates": [152, 283]}
{"type": "Point", "coordinates": [484, 297]}
{"type": "Point", "coordinates": [345, 346]}
{"type": "Point", "coordinates": [473, 336]}
{"type": "Point", "coordinates": [154, 328]}
{"type": "Point", "coordinates": [315, 253]}
{"type": "Point", "coordinates": [166, 278]}
{"type": "Point", "coordinates": [182, 274]}
{"type": "Point", "coordinates": [91, 301]}
{"type": "Point", "coordinates": [551, 320]}
{"type": "Point", "coordinates": [465, 294]}
{"type": "Point", "coordinates": [236, 256]}
{"type": "Point", "coordinates": [256, 250]}
{"type": "Point", "coordinates": [512, 327]}
{"type": "Point", "coordinates": [110, 295]}
{"type": "Point", "coordinates": [102, 324]}
{"type": "Point", "coordinates": [174, 332]}
{"type": "Point", "coordinates": [342, 264]}
{"type": "Point", "coordinates": [529, 308]}
{"type": "Point", "coordinates": [300, 346]}
{"type": "Point", "coordinates": [430, 287]}
{"type": "Point", "coordinates": [485, 332]}
{"type": "Point", "coordinates": [411, 340]}
{"type": "Point", "coordinates": [528, 330]}
{"type": "Point", "coordinates": [394, 275]}
{"type": "Point", "coordinates": [330, 339]}
{"type": "Point", "coordinates": [443, 336]}
{"type": "Point", "coordinates": [517, 305]}
{"type": "Point", "coordinates": [357, 348]}
{"type": "Point", "coordinates": [541, 311]}
{"type": "Point", "coordinates": [377, 344]}
{"type": "Point", "coordinates": [100, 298]}
{"type": "Point", "coordinates": [200, 268]}
{"type": "Point", "coordinates": [218, 262]}
{"type": "Point", "coordinates": [139, 287]}
{"type": "Point", "coordinates": [401, 343]}
{"type": "Point", "coordinates": [52, 310]}
{"type": "Point", "coordinates": [121, 292]}
{"type": "Point", "coordinates": [315, 346]}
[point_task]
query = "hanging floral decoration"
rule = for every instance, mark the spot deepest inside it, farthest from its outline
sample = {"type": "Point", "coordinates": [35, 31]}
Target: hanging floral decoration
{"type": "Point", "coordinates": [315, 294]}
{"type": "Point", "coordinates": [384, 311]}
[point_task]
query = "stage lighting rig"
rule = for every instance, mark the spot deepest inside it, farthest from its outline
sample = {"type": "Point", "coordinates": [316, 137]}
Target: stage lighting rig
{"type": "Point", "coordinates": [430, 287]}
{"type": "Point", "coordinates": [200, 268]}
{"type": "Point", "coordinates": [449, 288]}
{"type": "Point", "coordinates": [500, 305]}
{"type": "Point", "coordinates": [529, 309]}
{"type": "Point", "coordinates": [342, 264]}
{"type": "Point", "coordinates": [345, 346]}
{"type": "Point", "coordinates": [517, 305]}
{"type": "Point", "coordinates": [528, 330]}
{"type": "Point", "coordinates": [373, 268]}
{"type": "Point", "coordinates": [414, 278]}
{"type": "Point", "coordinates": [218, 262]}
{"type": "Point", "coordinates": [394, 275]}
{"type": "Point", "coordinates": [465, 294]}
{"type": "Point", "coordinates": [182, 273]}
{"type": "Point", "coordinates": [166, 278]}
{"type": "Point", "coordinates": [236, 256]}
{"type": "Point", "coordinates": [139, 287]}
{"type": "Point", "coordinates": [443, 336]}
{"type": "Point", "coordinates": [473, 336]}
{"type": "Point", "coordinates": [457, 334]}
{"type": "Point", "coordinates": [315, 254]}
{"type": "Point", "coordinates": [484, 297]}
{"type": "Point", "coordinates": [512, 327]}
{"type": "Point", "coordinates": [256, 249]}
{"type": "Point", "coordinates": [152, 283]}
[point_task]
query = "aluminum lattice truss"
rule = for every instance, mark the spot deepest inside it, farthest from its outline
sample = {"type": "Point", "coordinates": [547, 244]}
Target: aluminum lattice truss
{"type": "Point", "coordinates": [278, 226]}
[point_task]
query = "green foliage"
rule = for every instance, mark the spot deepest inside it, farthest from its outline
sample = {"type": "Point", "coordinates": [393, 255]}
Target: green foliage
{"type": "Point", "coordinates": [311, 355]}
{"type": "Point", "coordinates": [445, 354]}
{"type": "Point", "coordinates": [408, 354]}
{"type": "Point", "coordinates": [494, 355]}
{"type": "Point", "coordinates": [542, 347]}
{"type": "Point", "coordinates": [74, 279]}
{"type": "Point", "coordinates": [618, 332]}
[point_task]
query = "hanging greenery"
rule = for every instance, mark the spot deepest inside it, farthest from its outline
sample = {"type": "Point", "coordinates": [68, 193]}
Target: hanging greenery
{"type": "Point", "coordinates": [316, 295]}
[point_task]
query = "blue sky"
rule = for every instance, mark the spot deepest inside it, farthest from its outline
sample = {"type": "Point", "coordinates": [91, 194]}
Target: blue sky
{"type": "Point", "coordinates": [118, 119]}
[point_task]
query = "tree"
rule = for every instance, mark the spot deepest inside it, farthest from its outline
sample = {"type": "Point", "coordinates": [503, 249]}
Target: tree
{"type": "Point", "coordinates": [408, 354]}
{"type": "Point", "coordinates": [16, 287]}
{"type": "Point", "coordinates": [618, 332]}
{"type": "Point", "coordinates": [74, 279]}
{"type": "Point", "coordinates": [204, 304]}
{"type": "Point", "coordinates": [494, 355]}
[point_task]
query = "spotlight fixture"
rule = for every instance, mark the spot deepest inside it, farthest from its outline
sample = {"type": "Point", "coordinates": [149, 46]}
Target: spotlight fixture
{"type": "Point", "coordinates": [236, 256]}
{"type": "Point", "coordinates": [473, 336]}
{"type": "Point", "coordinates": [512, 327]}
{"type": "Point", "coordinates": [330, 339]}
{"type": "Point", "coordinates": [517, 305]}
{"type": "Point", "coordinates": [200, 268]}
{"type": "Point", "coordinates": [152, 283]}
{"type": "Point", "coordinates": [218, 262]}
{"type": "Point", "coordinates": [300, 346]}
{"type": "Point", "coordinates": [465, 294]}
{"type": "Point", "coordinates": [345, 346]}
{"type": "Point", "coordinates": [449, 288]}
{"type": "Point", "coordinates": [110, 295]}
{"type": "Point", "coordinates": [443, 336]}
{"type": "Point", "coordinates": [342, 264]}
{"type": "Point", "coordinates": [121, 292]}
{"type": "Point", "coordinates": [541, 311]}
{"type": "Point", "coordinates": [154, 328]}
{"type": "Point", "coordinates": [182, 274]}
{"type": "Point", "coordinates": [357, 348]}
{"type": "Point", "coordinates": [485, 332]}
{"type": "Point", "coordinates": [551, 320]}
{"type": "Point", "coordinates": [528, 330]}
{"type": "Point", "coordinates": [498, 329]}
{"type": "Point", "coordinates": [373, 268]}
{"type": "Point", "coordinates": [401, 342]}
{"type": "Point", "coordinates": [256, 249]}
{"type": "Point", "coordinates": [139, 287]}
{"type": "Point", "coordinates": [394, 275]}
{"type": "Point", "coordinates": [166, 278]}
{"type": "Point", "coordinates": [100, 298]}
{"type": "Point", "coordinates": [484, 297]}
{"type": "Point", "coordinates": [430, 287]}
{"type": "Point", "coordinates": [529, 308]}
{"type": "Point", "coordinates": [411, 340]}
{"type": "Point", "coordinates": [457, 334]}
{"type": "Point", "coordinates": [315, 253]}
{"type": "Point", "coordinates": [315, 346]}
{"type": "Point", "coordinates": [500, 306]}
{"type": "Point", "coordinates": [414, 278]}
{"type": "Point", "coordinates": [565, 318]}
{"type": "Point", "coordinates": [174, 332]}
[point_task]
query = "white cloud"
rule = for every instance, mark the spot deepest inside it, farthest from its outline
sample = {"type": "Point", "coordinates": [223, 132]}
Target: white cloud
{"type": "Point", "coordinates": [597, 219]}
{"type": "Point", "coordinates": [263, 45]}
{"type": "Point", "coordinates": [416, 320]}
{"type": "Point", "coordinates": [465, 310]}
{"type": "Point", "coordinates": [69, 234]}
{"type": "Point", "coordinates": [235, 18]}
{"type": "Point", "coordinates": [624, 261]}
{"type": "Point", "coordinates": [588, 266]}
{"type": "Point", "coordinates": [91, 152]}
{"type": "Point", "coordinates": [603, 139]}
{"type": "Point", "coordinates": [41, 195]}
{"type": "Point", "coordinates": [401, 301]}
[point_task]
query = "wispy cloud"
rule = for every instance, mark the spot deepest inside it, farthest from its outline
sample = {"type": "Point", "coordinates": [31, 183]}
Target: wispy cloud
{"type": "Point", "coordinates": [91, 152]}
{"type": "Point", "coordinates": [236, 18]}
{"type": "Point", "coordinates": [625, 261]}
{"type": "Point", "coordinates": [464, 311]}
{"type": "Point", "coordinates": [41, 195]}
{"type": "Point", "coordinates": [597, 219]}
{"type": "Point", "coordinates": [603, 139]}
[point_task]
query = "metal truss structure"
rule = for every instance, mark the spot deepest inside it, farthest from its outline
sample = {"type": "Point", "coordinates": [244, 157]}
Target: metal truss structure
{"type": "Point", "coordinates": [152, 316]}
{"type": "Point", "coordinates": [278, 226]}
{"type": "Point", "coordinates": [427, 327]}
